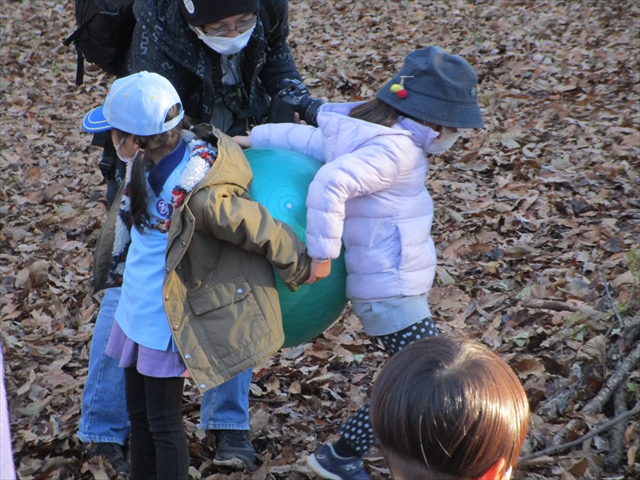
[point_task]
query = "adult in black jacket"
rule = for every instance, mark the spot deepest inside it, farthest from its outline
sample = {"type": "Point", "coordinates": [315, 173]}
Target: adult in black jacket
{"type": "Point", "coordinates": [182, 40]}
{"type": "Point", "coordinates": [228, 91]}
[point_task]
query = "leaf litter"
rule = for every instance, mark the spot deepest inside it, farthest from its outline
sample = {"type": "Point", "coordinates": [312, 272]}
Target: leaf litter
{"type": "Point", "coordinates": [537, 228]}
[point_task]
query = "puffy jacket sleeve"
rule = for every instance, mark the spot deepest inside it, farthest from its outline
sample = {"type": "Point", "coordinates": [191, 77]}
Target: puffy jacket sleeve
{"type": "Point", "coordinates": [366, 171]}
{"type": "Point", "coordinates": [243, 222]}
{"type": "Point", "coordinates": [279, 63]}
{"type": "Point", "coordinates": [303, 139]}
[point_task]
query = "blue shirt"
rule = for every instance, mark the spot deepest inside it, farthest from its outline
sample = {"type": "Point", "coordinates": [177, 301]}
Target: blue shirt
{"type": "Point", "coordinates": [140, 312]}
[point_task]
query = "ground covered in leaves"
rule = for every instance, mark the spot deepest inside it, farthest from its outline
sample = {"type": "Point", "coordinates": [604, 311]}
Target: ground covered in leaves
{"type": "Point", "coordinates": [537, 229]}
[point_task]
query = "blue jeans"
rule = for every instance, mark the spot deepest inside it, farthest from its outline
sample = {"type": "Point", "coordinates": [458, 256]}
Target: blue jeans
{"type": "Point", "coordinates": [104, 410]}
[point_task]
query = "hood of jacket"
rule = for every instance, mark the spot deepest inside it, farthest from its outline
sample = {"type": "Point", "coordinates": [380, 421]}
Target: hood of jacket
{"type": "Point", "coordinates": [335, 123]}
{"type": "Point", "coordinates": [227, 169]}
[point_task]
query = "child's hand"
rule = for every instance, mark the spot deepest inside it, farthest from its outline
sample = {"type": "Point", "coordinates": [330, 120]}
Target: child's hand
{"type": "Point", "coordinates": [319, 270]}
{"type": "Point", "coordinates": [243, 141]}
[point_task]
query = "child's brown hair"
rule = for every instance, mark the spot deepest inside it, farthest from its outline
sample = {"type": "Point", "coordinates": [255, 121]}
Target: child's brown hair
{"type": "Point", "coordinates": [448, 408]}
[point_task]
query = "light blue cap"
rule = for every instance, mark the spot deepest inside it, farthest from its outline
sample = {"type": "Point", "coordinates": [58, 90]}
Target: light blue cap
{"type": "Point", "coordinates": [136, 104]}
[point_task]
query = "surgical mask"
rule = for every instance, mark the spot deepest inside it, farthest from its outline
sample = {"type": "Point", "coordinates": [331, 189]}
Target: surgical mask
{"type": "Point", "coordinates": [225, 45]}
{"type": "Point", "coordinates": [122, 157]}
{"type": "Point", "coordinates": [443, 142]}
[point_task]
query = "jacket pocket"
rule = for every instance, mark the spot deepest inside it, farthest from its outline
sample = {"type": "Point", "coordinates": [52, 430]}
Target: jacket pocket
{"type": "Point", "coordinates": [229, 322]}
{"type": "Point", "coordinates": [213, 297]}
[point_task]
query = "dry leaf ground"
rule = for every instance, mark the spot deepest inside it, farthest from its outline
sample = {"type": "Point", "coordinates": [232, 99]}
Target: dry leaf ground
{"type": "Point", "coordinates": [541, 206]}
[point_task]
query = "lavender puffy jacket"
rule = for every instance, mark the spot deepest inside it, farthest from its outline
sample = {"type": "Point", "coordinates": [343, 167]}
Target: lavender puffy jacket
{"type": "Point", "coordinates": [370, 194]}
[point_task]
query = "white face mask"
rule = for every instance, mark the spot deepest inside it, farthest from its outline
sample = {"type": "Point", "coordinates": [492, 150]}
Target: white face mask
{"type": "Point", "coordinates": [443, 142]}
{"type": "Point", "coordinates": [122, 157]}
{"type": "Point", "coordinates": [225, 45]}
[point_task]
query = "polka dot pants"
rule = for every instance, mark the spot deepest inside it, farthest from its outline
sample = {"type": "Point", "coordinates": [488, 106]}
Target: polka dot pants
{"type": "Point", "coordinates": [357, 431]}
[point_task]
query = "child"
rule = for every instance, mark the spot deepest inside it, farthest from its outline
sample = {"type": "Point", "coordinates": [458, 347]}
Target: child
{"type": "Point", "coordinates": [448, 408]}
{"type": "Point", "coordinates": [198, 291]}
{"type": "Point", "coordinates": [370, 193]}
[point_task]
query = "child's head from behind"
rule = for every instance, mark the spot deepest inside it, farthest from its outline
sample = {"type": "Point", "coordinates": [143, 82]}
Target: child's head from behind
{"type": "Point", "coordinates": [144, 113]}
{"type": "Point", "coordinates": [138, 104]}
{"type": "Point", "coordinates": [448, 408]}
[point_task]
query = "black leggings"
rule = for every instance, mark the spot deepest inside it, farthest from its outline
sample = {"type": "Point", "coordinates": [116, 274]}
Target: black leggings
{"type": "Point", "coordinates": [357, 431]}
{"type": "Point", "coordinates": [158, 442]}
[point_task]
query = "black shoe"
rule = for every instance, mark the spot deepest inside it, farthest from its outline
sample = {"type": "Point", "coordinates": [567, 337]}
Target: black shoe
{"type": "Point", "coordinates": [112, 452]}
{"type": "Point", "coordinates": [234, 449]}
{"type": "Point", "coordinates": [326, 463]}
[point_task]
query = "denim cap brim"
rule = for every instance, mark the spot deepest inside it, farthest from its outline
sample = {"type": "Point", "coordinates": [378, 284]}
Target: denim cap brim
{"type": "Point", "coordinates": [441, 89]}
{"type": "Point", "coordinates": [94, 121]}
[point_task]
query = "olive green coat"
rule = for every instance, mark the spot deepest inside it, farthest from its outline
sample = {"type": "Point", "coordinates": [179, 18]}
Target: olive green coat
{"type": "Point", "coordinates": [219, 287]}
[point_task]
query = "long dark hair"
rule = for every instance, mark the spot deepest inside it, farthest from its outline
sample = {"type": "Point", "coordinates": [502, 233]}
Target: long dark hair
{"type": "Point", "coordinates": [376, 111]}
{"type": "Point", "coordinates": [448, 408]}
{"type": "Point", "coordinates": [141, 164]}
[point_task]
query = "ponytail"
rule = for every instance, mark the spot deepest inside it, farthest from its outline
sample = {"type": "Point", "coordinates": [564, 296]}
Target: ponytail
{"type": "Point", "coordinates": [138, 192]}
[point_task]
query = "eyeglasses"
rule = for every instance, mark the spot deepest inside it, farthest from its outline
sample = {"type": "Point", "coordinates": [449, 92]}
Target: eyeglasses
{"type": "Point", "coordinates": [220, 30]}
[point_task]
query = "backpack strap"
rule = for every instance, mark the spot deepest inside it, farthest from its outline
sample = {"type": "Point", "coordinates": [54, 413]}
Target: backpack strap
{"type": "Point", "coordinates": [102, 10]}
{"type": "Point", "coordinates": [72, 38]}
{"type": "Point", "coordinates": [269, 16]}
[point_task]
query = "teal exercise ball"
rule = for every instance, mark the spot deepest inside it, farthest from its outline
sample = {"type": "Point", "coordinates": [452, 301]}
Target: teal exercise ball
{"type": "Point", "coordinates": [281, 180]}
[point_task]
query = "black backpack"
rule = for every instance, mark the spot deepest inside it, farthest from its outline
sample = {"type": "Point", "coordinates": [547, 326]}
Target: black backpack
{"type": "Point", "coordinates": [105, 29]}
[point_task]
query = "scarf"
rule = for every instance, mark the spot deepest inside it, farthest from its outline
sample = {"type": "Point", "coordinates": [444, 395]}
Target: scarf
{"type": "Point", "coordinates": [201, 157]}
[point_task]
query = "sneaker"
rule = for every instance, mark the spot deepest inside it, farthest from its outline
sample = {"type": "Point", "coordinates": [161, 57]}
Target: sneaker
{"type": "Point", "coordinates": [326, 463]}
{"type": "Point", "coordinates": [112, 452]}
{"type": "Point", "coordinates": [234, 449]}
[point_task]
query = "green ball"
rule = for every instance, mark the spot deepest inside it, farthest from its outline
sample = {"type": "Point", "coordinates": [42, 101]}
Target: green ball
{"type": "Point", "coordinates": [281, 181]}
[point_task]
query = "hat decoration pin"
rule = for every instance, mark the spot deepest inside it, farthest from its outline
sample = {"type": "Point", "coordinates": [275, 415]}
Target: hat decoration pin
{"type": "Point", "coordinates": [398, 88]}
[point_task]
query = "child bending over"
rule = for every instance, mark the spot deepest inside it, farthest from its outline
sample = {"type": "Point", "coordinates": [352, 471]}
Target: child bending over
{"type": "Point", "coordinates": [370, 194]}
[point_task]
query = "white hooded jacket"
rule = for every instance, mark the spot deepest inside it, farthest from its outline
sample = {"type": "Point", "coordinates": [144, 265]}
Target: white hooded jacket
{"type": "Point", "coordinates": [370, 194]}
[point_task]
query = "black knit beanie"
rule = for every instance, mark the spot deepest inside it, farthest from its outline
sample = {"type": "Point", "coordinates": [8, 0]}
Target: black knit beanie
{"type": "Point", "coordinates": [202, 12]}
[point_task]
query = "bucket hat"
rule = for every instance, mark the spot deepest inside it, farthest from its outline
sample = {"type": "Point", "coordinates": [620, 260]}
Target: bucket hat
{"type": "Point", "coordinates": [202, 12]}
{"type": "Point", "coordinates": [136, 104]}
{"type": "Point", "coordinates": [435, 87]}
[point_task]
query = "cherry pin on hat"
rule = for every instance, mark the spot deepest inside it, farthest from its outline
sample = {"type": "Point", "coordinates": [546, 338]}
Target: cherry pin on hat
{"type": "Point", "coordinates": [436, 87]}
